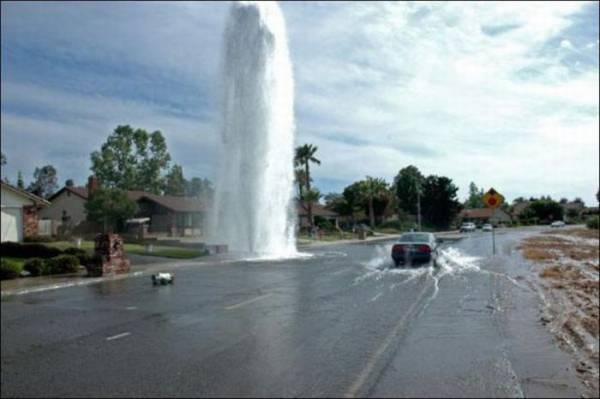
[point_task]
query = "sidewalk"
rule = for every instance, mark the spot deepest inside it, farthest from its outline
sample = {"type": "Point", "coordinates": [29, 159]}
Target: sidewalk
{"type": "Point", "coordinates": [141, 266]}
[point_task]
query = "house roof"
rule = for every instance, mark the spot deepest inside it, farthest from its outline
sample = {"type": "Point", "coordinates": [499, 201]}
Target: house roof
{"type": "Point", "coordinates": [480, 213]}
{"type": "Point", "coordinates": [39, 201]}
{"type": "Point", "coordinates": [477, 213]}
{"type": "Point", "coordinates": [177, 204]}
{"type": "Point", "coordinates": [79, 191]}
{"type": "Point", "coordinates": [518, 208]}
{"type": "Point", "coordinates": [317, 210]}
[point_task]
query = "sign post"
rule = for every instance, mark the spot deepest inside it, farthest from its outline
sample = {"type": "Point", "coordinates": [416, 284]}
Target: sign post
{"type": "Point", "coordinates": [493, 199]}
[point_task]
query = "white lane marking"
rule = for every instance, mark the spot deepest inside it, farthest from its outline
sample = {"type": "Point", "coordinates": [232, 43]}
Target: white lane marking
{"type": "Point", "coordinates": [370, 366]}
{"type": "Point", "coordinates": [122, 335]}
{"type": "Point", "coordinates": [376, 296]}
{"type": "Point", "coordinates": [249, 301]}
{"type": "Point", "coordinates": [341, 271]}
{"type": "Point", "coordinates": [131, 308]}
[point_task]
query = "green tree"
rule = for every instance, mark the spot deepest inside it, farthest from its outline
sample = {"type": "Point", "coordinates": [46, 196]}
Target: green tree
{"type": "Point", "coordinates": [305, 155]}
{"type": "Point", "coordinates": [20, 182]}
{"type": "Point", "coordinates": [110, 207]}
{"type": "Point", "coordinates": [406, 185]}
{"type": "Point", "coordinates": [354, 199]}
{"type": "Point", "coordinates": [69, 183]}
{"type": "Point", "coordinates": [474, 199]}
{"type": "Point", "coordinates": [301, 181]}
{"type": "Point", "coordinates": [337, 203]}
{"type": "Point", "coordinates": [371, 190]}
{"type": "Point", "coordinates": [439, 203]}
{"type": "Point", "coordinates": [311, 197]}
{"type": "Point", "coordinates": [44, 181]}
{"type": "Point", "coordinates": [132, 160]}
{"type": "Point", "coordinates": [543, 210]}
{"type": "Point", "coordinates": [175, 182]}
{"type": "Point", "coordinates": [199, 188]}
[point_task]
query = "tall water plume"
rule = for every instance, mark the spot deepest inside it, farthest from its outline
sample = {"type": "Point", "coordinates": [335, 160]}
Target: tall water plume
{"type": "Point", "coordinates": [253, 208]}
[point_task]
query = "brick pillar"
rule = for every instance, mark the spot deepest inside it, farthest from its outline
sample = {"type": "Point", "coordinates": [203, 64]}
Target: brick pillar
{"type": "Point", "coordinates": [30, 221]}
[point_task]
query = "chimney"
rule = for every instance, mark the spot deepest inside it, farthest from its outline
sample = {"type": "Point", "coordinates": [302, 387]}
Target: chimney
{"type": "Point", "coordinates": [92, 184]}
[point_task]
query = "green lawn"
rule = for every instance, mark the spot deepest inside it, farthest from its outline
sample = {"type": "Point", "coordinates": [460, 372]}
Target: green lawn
{"type": "Point", "coordinates": [158, 250]}
{"type": "Point", "coordinates": [328, 236]}
{"type": "Point", "coordinates": [19, 261]}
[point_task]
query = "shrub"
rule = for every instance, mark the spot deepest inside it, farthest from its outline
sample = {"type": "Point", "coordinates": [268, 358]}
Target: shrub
{"type": "Point", "coordinates": [9, 269]}
{"type": "Point", "coordinates": [592, 222]}
{"type": "Point", "coordinates": [393, 224]}
{"type": "Point", "coordinates": [18, 250]}
{"type": "Point", "coordinates": [81, 254]}
{"type": "Point", "coordinates": [35, 266]}
{"type": "Point", "coordinates": [62, 264]}
{"type": "Point", "coordinates": [323, 223]}
{"type": "Point", "coordinates": [38, 239]}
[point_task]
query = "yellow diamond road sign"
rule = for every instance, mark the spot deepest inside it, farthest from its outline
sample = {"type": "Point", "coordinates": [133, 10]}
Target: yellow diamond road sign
{"type": "Point", "coordinates": [492, 199]}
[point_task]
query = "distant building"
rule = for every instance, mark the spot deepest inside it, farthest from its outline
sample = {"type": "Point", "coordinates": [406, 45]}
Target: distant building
{"type": "Point", "coordinates": [317, 210]}
{"type": "Point", "coordinates": [518, 208]}
{"type": "Point", "coordinates": [20, 210]}
{"type": "Point", "coordinates": [165, 214]}
{"type": "Point", "coordinates": [485, 215]}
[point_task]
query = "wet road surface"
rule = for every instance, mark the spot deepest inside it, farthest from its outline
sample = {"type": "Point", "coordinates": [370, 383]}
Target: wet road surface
{"type": "Point", "coordinates": [339, 323]}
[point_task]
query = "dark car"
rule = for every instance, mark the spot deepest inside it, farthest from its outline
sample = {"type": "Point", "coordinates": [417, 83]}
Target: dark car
{"type": "Point", "coordinates": [415, 248]}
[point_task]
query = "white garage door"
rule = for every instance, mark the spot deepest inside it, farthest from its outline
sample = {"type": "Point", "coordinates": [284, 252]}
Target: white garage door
{"type": "Point", "coordinates": [12, 224]}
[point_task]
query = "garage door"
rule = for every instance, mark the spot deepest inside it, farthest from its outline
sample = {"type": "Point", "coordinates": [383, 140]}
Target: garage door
{"type": "Point", "coordinates": [12, 224]}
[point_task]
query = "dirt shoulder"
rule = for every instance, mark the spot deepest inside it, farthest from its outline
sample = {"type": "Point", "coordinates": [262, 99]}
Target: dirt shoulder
{"type": "Point", "coordinates": [567, 268]}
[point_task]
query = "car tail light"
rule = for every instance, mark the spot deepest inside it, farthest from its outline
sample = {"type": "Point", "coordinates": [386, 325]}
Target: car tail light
{"type": "Point", "coordinates": [424, 248]}
{"type": "Point", "coordinates": [398, 248]}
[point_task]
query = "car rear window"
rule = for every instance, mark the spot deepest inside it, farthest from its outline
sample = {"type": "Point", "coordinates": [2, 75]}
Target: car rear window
{"type": "Point", "coordinates": [415, 237]}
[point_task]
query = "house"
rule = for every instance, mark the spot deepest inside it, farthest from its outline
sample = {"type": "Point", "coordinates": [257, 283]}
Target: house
{"type": "Point", "coordinates": [19, 213]}
{"type": "Point", "coordinates": [485, 215]}
{"type": "Point", "coordinates": [162, 214]}
{"type": "Point", "coordinates": [317, 210]}
{"type": "Point", "coordinates": [518, 208]}
{"type": "Point", "coordinates": [67, 207]}
{"type": "Point", "coordinates": [176, 216]}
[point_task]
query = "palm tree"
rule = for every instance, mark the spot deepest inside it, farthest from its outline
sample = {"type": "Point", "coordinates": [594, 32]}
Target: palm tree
{"type": "Point", "coordinates": [305, 154]}
{"type": "Point", "coordinates": [300, 175]}
{"type": "Point", "coordinates": [373, 188]}
{"type": "Point", "coordinates": [309, 198]}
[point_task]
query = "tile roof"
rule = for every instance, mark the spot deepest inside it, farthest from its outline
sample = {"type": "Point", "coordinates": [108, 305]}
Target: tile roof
{"type": "Point", "coordinates": [177, 204]}
{"type": "Point", "coordinates": [317, 210]}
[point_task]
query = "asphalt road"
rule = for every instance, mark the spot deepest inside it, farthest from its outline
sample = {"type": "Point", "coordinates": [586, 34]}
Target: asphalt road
{"type": "Point", "coordinates": [339, 323]}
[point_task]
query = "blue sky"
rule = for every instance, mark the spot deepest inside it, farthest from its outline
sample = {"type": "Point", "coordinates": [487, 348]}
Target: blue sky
{"type": "Point", "coordinates": [505, 95]}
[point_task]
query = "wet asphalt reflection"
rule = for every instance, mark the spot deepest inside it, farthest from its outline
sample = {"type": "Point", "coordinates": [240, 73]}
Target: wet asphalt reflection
{"type": "Point", "coordinates": [342, 322]}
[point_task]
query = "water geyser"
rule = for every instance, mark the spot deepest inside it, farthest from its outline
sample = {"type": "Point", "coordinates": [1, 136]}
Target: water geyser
{"type": "Point", "coordinates": [253, 206]}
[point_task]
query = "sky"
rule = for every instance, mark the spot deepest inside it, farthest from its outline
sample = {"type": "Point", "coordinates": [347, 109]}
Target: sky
{"type": "Point", "coordinates": [501, 94]}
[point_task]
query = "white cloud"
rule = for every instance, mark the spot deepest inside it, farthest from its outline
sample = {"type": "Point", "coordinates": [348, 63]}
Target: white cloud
{"type": "Point", "coordinates": [476, 91]}
{"type": "Point", "coordinates": [427, 75]}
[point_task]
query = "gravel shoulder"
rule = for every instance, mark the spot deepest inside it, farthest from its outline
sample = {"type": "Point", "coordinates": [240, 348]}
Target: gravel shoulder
{"type": "Point", "coordinates": [566, 276]}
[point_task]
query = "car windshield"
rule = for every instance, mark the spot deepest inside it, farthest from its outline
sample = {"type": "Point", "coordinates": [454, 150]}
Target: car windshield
{"type": "Point", "coordinates": [418, 237]}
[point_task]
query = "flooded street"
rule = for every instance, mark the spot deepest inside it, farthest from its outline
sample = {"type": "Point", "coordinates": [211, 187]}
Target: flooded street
{"type": "Point", "coordinates": [342, 322]}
